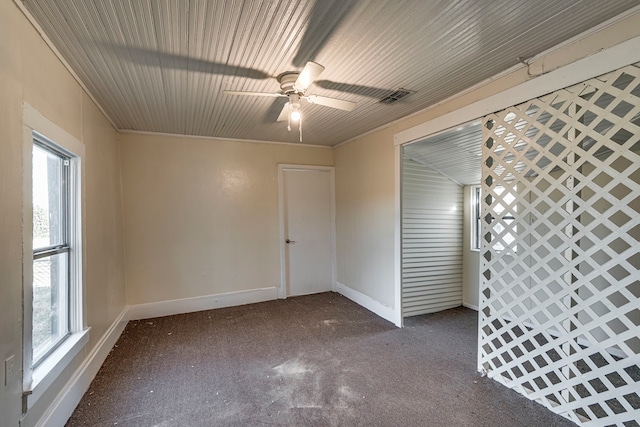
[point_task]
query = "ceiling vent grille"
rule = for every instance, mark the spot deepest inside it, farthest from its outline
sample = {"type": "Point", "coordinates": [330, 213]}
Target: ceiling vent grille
{"type": "Point", "coordinates": [397, 95]}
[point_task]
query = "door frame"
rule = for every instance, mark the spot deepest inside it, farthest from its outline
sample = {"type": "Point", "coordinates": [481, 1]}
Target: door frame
{"type": "Point", "coordinates": [586, 68]}
{"type": "Point", "coordinates": [282, 168]}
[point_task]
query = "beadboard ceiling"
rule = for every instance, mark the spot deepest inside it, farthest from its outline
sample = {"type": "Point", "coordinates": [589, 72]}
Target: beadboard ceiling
{"type": "Point", "coordinates": [162, 65]}
{"type": "Point", "coordinates": [455, 153]}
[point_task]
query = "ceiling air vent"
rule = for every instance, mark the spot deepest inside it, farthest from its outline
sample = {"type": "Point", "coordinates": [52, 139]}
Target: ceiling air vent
{"type": "Point", "coordinates": [397, 95]}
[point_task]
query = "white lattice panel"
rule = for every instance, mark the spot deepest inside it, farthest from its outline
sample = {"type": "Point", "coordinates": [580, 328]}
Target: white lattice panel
{"type": "Point", "coordinates": [560, 292]}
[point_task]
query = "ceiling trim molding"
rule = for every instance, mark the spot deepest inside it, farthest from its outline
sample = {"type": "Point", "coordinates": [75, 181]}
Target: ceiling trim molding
{"type": "Point", "coordinates": [602, 62]}
{"type": "Point", "coordinates": [64, 62]}
{"type": "Point", "coordinates": [219, 139]}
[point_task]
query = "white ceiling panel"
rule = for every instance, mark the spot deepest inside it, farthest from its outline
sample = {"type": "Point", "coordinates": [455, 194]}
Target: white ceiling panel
{"type": "Point", "coordinates": [456, 153]}
{"type": "Point", "coordinates": [162, 65]}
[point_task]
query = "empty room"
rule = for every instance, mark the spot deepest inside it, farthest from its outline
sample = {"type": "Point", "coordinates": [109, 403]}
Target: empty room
{"type": "Point", "coordinates": [319, 213]}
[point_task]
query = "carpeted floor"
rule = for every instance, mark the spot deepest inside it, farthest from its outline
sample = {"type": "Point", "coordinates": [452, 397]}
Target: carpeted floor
{"type": "Point", "coordinates": [318, 360]}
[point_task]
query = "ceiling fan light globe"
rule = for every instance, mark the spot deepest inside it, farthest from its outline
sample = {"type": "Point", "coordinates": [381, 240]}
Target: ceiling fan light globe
{"type": "Point", "coordinates": [295, 116]}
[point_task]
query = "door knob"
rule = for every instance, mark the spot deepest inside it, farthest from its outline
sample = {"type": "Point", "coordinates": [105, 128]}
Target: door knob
{"type": "Point", "coordinates": [290, 241]}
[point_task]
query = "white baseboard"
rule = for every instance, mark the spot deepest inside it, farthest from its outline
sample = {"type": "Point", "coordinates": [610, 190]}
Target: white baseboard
{"type": "Point", "coordinates": [367, 302]}
{"type": "Point", "coordinates": [471, 306]}
{"type": "Point", "coordinates": [207, 302]}
{"type": "Point", "coordinates": [65, 403]}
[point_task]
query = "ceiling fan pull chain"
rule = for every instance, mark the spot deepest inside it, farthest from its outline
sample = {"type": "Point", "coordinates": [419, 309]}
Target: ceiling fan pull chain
{"type": "Point", "coordinates": [289, 116]}
{"type": "Point", "coordinates": [300, 128]}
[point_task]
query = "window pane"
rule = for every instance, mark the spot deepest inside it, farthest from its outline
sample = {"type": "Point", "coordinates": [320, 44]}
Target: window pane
{"type": "Point", "coordinates": [476, 220]}
{"type": "Point", "coordinates": [50, 316]}
{"type": "Point", "coordinates": [48, 205]}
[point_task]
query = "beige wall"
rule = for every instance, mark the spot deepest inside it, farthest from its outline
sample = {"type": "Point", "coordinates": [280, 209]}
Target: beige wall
{"type": "Point", "coordinates": [365, 216]}
{"type": "Point", "coordinates": [30, 72]}
{"type": "Point", "coordinates": [201, 215]}
{"type": "Point", "coordinates": [10, 205]}
{"type": "Point", "coordinates": [365, 170]}
{"type": "Point", "coordinates": [104, 234]}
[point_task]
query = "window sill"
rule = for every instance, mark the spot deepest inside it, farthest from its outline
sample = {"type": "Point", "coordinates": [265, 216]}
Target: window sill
{"type": "Point", "coordinates": [51, 368]}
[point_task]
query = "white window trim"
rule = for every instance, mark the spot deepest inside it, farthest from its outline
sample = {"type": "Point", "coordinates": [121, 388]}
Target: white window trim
{"type": "Point", "coordinates": [476, 228]}
{"type": "Point", "coordinates": [37, 381]}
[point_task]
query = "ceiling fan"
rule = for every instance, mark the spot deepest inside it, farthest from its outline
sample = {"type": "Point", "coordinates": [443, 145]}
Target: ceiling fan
{"type": "Point", "coordinates": [294, 85]}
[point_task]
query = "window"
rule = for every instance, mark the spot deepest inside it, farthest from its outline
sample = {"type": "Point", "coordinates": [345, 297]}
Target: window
{"type": "Point", "coordinates": [51, 247]}
{"type": "Point", "coordinates": [476, 225]}
{"type": "Point", "coordinates": [54, 331]}
{"type": "Point", "coordinates": [508, 203]}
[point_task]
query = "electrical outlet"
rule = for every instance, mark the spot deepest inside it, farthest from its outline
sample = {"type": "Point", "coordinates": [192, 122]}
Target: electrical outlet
{"type": "Point", "coordinates": [9, 369]}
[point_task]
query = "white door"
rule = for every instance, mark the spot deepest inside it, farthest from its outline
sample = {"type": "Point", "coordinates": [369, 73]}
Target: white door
{"type": "Point", "coordinates": [307, 220]}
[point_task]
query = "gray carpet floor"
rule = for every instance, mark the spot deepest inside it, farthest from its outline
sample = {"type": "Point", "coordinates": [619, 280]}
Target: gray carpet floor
{"type": "Point", "coordinates": [318, 360]}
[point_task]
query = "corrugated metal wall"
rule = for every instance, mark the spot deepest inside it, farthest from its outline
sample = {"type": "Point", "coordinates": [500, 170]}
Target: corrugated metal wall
{"type": "Point", "coordinates": [431, 240]}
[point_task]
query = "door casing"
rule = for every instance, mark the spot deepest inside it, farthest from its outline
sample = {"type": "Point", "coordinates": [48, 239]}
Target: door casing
{"type": "Point", "coordinates": [282, 168]}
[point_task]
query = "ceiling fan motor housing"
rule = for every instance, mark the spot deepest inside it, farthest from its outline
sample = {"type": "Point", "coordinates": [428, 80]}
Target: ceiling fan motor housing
{"type": "Point", "coordinates": [293, 85]}
{"type": "Point", "coordinates": [287, 81]}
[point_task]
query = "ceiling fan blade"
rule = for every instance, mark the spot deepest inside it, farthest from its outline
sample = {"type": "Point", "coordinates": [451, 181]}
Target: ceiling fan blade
{"type": "Point", "coordinates": [325, 19]}
{"type": "Point", "coordinates": [269, 94]}
{"type": "Point", "coordinates": [284, 114]}
{"type": "Point", "coordinates": [331, 102]}
{"type": "Point", "coordinates": [309, 73]}
{"type": "Point", "coordinates": [153, 58]}
{"type": "Point", "coordinates": [362, 90]}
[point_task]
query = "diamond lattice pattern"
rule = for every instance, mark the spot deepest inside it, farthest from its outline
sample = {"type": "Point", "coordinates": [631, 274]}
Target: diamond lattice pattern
{"type": "Point", "coordinates": [560, 292]}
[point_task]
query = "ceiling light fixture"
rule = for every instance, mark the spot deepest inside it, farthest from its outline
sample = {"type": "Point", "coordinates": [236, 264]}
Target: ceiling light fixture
{"type": "Point", "coordinates": [293, 85]}
{"type": "Point", "coordinates": [294, 112]}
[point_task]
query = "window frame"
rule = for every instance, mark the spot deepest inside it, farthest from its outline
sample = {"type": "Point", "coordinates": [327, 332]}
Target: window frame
{"type": "Point", "coordinates": [64, 247]}
{"type": "Point", "coordinates": [476, 218]}
{"type": "Point", "coordinates": [37, 378]}
{"type": "Point", "coordinates": [499, 227]}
